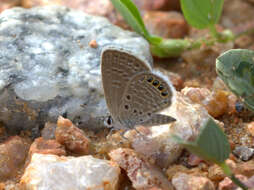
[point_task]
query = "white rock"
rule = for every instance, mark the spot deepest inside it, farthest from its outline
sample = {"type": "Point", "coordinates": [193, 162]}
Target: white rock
{"type": "Point", "coordinates": [182, 181]}
{"type": "Point", "coordinates": [51, 172]}
{"type": "Point", "coordinates": [158, 143]}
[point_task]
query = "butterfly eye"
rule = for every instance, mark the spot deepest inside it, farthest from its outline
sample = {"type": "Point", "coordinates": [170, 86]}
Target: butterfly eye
{"type": "Point", "coordinates": [109, 120]}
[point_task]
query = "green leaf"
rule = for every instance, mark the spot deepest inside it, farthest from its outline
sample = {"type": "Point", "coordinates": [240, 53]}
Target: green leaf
{"type": "Point", "coordinates": [211, 144]}
{"type": "Point", "coordinates": [202, 13]}
{"type": "Point", "coordinates": [236, 68]}
{"type": "Point", "coordinates": [132, 16]}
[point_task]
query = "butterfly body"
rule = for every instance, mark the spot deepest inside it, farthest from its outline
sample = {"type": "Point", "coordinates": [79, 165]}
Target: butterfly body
{"type": "Point", "coordinates": [133, 92]}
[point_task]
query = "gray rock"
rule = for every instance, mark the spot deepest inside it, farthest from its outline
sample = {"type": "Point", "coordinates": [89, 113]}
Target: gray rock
{"type": "Point", "coordinates": [47, 67]}
{"type": "Point", "coordinates": [47, 172]}
{"type": "Point", "coordinates": [243, 152]}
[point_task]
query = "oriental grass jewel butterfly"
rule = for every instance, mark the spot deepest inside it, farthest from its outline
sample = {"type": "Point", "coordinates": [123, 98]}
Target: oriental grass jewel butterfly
{"type": "Point", "coordinates": [133, 92]}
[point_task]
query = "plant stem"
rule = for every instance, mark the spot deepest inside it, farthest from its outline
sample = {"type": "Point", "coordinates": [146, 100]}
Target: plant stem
{"type": "Point", "coordinates": [213, 31]}
{"type": "Point", "coordinates": [175, 47]}
{"type": "Point", "coordinates": [229, 173]}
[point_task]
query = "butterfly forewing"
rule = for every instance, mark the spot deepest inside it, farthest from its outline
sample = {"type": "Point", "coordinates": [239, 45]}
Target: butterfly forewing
{"type": "Point", "coordinates": [117, 67]}
{"type": "Point", "coordinates": [145, 94]}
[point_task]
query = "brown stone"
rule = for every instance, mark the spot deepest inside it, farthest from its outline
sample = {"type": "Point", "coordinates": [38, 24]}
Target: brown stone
{"type": "Point", "coordinates": [94, 7]}
{"type": "Point", "coordinates": [227, 184]}
{"type": "Point", "coordinates": [71, 137]}
{"type": "Point", "coordinates": [13, 153]}
{"type": "Point", "coordinates": [251, 1]}
{"type": "Point", "coordinates": [236, 12]}
{"type": "Point", "coordinates": [250, 128]}
{"type": "Point", "coordinates": [33, 3]}
{"type": "Point", "coordinates": [245, 168]}
{"type": "Point", "coordinates": [93, 44]}
{"type": "Point", "coordinates": [7, 4]}
{"type": "Point", "coordinates": [166, 24]}
{"type": "Point", "coordinates": [105, 7]}
{"type": "Point", "coordinates": [245, 41]}
{"type": "Point", "coordinates": [175, 78]}
{"type": "Point", "coordinates": [43, 146]}
{"type": "Point", "coordinates": [158, 4]}
{"type": "Point", "coordinates": [142, 174]}
{"type": "Point", "coordinates": [2, 186]}
{"type": "Point", "coordinates": [216, 103]}
{"type": "Point", "coordinates": [183, 181]}
{"type": "Point", "coordinates": [172, 170]}
{"type": "Point", "coordinates": [215, 173]}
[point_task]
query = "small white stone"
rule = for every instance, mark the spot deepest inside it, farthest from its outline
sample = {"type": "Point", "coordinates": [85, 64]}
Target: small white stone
{"type": "Point", "coordinates": [51, 172]}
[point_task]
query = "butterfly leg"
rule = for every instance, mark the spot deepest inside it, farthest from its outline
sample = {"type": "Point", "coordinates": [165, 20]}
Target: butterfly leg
{"type": "Point", "coordinates": [111, 131]}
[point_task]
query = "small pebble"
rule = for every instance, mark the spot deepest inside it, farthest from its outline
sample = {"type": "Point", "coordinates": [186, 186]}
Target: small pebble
{"type": "Point", "coordinates": [250, 128]}
{"type": "Point", "coordinates": [245, 168]}
{"type": "Point", "coordinates": [71, 137]}
{"type": "Point", "coordinates": [93, 44]}
{"type": "Point", "coordinates": [46, 146]}
{"type": "Point", "coordinates": [183, 181]}
{"type": "Point", "coordinates": [243, 152]}
{"type": "Point", "coordinates": [239, 107]}
{"type": "Point", "coordinates": [216, 103]}
{"type": "Point", "coordinates": [227, 184]}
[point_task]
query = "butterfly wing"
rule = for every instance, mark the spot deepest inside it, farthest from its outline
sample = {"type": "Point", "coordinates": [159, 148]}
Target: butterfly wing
{"type": "Point", "coordinates": [145, 94]}
{"type": "Point", "coordinates": [158, 119]}
{"type": "Point", "coordinates": [117, 67]}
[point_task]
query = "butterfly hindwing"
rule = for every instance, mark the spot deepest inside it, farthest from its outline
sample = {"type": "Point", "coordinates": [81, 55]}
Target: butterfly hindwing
{"type": "Point", "coordinates": [157, 119]}
{"type": "Point", "coordinates": [145, 94]}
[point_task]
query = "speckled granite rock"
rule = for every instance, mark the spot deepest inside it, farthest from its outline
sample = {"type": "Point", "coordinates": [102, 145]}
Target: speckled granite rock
{"type": "Point", "coordinates": [62, 173]}
{"type": "Point", "coordinates": [47, 67]}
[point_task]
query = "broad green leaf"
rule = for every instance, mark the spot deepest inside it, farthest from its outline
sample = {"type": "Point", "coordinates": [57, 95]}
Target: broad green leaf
{"type": "Point", "coordinates": [211, 144]}
{"type": "Point", "coordinates": [202, 13]}
{"type": "Point", "coordinates": [236, 68]}
{"type": "Point", "coordinates": [131, 15]}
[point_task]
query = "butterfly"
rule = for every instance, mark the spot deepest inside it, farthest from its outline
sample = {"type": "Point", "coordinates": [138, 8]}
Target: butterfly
{"type": "Point", "coordinates": [134, 93]}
